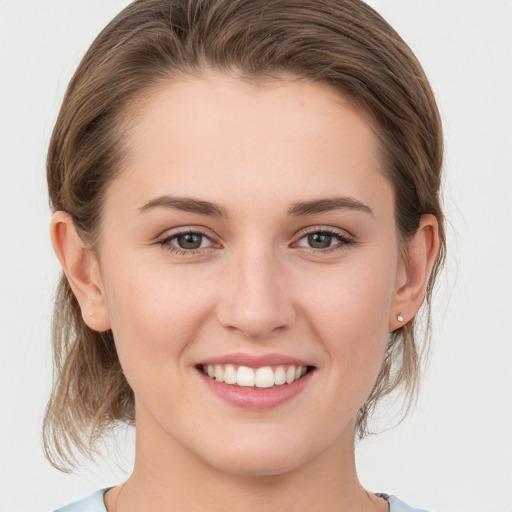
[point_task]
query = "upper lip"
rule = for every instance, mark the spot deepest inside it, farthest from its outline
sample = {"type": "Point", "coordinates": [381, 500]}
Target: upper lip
{"type": "Point", "coordinates": [255, 361]}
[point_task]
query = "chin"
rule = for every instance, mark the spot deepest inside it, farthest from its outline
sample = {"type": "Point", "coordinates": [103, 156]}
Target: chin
{"type": "Point", "coordinates": [261, 465]}
{"type": "Point", "coordinates": [253, 459]}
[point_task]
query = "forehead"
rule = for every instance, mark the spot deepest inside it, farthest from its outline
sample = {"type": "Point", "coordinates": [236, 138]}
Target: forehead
{"type": "Point", "coordinates": [218, 135]}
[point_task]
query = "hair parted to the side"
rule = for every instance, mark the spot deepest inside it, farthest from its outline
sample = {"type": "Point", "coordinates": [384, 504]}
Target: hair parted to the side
{"type": "Point", "coordinates": [344, 43]}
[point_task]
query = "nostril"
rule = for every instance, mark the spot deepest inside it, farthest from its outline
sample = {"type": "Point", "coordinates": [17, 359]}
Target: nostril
{"type": "Point", "coordinates": [256, 312]}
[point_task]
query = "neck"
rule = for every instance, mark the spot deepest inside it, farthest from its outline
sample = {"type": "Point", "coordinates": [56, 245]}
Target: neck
{"type": "Point", "coordinates": [167, 477]}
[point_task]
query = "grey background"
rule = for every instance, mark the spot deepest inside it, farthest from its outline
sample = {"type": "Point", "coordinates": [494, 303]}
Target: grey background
{"type": "Point", "coordinates": [454, 453]}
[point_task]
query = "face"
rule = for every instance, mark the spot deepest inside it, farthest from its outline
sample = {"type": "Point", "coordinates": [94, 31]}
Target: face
{"type": "Point", "coordinates": [250, 236]}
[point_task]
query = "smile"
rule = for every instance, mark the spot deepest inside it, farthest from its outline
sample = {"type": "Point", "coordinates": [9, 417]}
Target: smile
{"type": "Point", "coordinates": [263, 377]}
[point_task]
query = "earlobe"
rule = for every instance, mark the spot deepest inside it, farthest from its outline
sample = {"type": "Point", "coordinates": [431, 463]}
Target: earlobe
{"type": "Point", "coordinates": [81, 268]}
{"type": "Point", "coordinates": [422, 250]}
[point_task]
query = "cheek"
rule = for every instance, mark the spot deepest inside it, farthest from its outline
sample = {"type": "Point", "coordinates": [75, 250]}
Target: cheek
{"type": "Point", "coordinates": [154, 315]}
{"type": "Point", "coordinates": [350, 314]}
{"type": "Point", "coordinates": [355, 299]}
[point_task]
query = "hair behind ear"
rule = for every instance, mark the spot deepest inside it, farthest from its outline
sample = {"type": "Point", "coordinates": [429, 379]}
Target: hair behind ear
{"type": "Point", "coordinates": [90, 392]}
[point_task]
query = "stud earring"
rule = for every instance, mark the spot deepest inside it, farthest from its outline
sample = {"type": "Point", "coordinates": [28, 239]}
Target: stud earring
{"type": "Point", "coordinates": [400, 318]}
{"type": "Point", "coordinates": [90, 313]}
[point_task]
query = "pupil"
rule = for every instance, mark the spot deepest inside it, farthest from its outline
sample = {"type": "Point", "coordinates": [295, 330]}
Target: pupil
{"type": "Point", "coordinates": [319, 240]}
{"type": "Point", "coordinates": [190, 241]}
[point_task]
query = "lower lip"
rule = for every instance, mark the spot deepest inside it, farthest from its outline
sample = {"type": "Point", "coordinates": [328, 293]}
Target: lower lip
{"type": "Point", "coordinates": [256, 398]}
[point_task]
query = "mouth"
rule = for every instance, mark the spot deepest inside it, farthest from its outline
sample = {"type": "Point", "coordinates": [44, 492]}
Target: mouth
{"type": "Point", "coordinates": [264, 377]}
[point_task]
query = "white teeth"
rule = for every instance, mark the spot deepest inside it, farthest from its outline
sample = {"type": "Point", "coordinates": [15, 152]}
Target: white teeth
{"type": "Point", "coordinates": [279, 376]}
{"type": "Point", "coordinates": [264, 377]}
{"type": "Point", "coordinates": [245, 376]}
{"type": "Point", "coordinates": [219, 373]}
{"type": "Point", "coordinates": [230, 374]}
{"type": "Point", "coordinates": [290, 375]}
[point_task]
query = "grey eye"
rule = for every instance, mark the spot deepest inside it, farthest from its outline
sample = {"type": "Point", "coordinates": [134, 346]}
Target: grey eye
{"type": "Point", "coordinates": [189, 241]}
{"type": "Point", "coordinates": [319, 240]}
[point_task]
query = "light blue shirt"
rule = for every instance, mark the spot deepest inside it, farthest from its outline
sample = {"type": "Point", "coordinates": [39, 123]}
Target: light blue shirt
{"type": "Point", "coordinates": [94, 503]}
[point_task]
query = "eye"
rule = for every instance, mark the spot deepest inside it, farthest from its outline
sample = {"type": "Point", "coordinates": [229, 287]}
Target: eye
{"type": "Point", "coordinates": [190, 240]}
{"type": "Point", "coordinates": [323, 239]}
{"type": "Point", "coordinates": [186, 242]}
{"type": "Point", "coordinates": [320, 240]}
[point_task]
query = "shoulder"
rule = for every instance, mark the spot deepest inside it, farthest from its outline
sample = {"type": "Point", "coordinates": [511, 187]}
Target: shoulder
{"type": "Point", "coordinates": [396, 505]}
{"type": "Point", "coordinates": [93, 503]}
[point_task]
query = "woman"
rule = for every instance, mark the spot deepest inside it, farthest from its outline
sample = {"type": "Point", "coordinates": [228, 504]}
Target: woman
{"type": "Point", "coordinates": [246, 210]}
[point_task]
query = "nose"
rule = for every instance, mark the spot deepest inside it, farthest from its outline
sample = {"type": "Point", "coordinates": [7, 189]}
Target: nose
{"type": "Point", "coordinates": [256, 299]}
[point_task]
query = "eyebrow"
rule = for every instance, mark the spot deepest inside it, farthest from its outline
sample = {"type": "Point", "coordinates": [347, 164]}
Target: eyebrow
{"type": "Point", "coordinates": [185, 204]}
{"type": "Point", "coordinates": [189, 204]}
{"type": "Point", "coordinates": [326, 205]}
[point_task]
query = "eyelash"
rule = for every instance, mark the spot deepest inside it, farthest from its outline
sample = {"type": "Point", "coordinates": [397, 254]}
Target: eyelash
{"type": "Point", "coordinates": [166, 243]}
{"type": "Point", "coordinates": [343, 242]}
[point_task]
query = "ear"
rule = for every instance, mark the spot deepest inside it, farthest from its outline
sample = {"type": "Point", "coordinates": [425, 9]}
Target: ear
{"type": "Point", "coordinates": [414, 272]}
{"type": "Point", "coordinates": [80, 265]}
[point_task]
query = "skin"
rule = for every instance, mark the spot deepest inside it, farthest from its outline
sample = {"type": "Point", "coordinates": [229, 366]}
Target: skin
{"type": "Point", "coordinates": [254, 286]}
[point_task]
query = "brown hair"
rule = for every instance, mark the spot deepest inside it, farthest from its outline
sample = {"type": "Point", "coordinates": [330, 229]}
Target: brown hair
{"type": "Point", "coordinates": [344, 43]}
